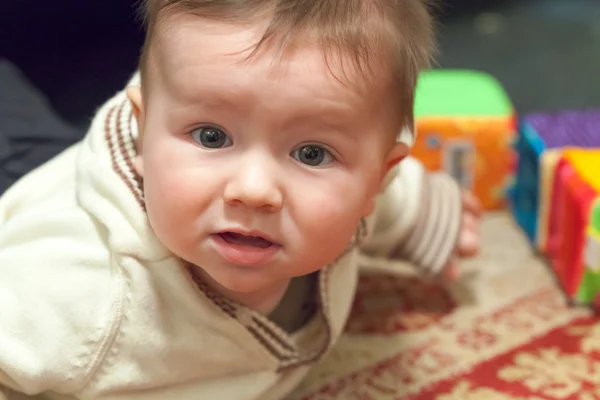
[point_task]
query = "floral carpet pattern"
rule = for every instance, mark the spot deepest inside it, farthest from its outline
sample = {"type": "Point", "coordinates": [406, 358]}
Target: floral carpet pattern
{"type": "Point", "coordinates": [503, 331]}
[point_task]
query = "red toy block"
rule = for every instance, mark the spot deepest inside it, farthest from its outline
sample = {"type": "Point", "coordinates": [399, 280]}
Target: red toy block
{"type": "Point", "coordinates": [563, 172]}
{"type": "Point", "coordinates": [578, 199]}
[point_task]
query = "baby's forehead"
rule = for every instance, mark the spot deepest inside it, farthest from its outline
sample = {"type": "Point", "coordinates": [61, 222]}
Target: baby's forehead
{"type": "Point", "coordinates": [187, 39]}
{"type": "Point", "coordinates": [184, 40]}
{"type": "Point", "coordinates": [375, 36]}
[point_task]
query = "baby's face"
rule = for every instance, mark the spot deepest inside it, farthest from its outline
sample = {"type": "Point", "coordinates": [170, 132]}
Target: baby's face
{"type": "Point", "coordinates": [256, 171]}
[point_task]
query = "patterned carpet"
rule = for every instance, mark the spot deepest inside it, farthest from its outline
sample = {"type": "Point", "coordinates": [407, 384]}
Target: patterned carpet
{"type": "Point", "coordinates": [503, 331]}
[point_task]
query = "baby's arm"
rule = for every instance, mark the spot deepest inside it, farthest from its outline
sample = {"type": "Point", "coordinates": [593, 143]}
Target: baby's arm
{"type": "Point", "coordinates": [54, 305]}
{"type": "Point", "coordinates": [417, 218]}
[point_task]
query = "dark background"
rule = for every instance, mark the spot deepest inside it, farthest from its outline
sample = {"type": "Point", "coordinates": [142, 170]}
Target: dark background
{"type": "Point", "coordinates": [545, 52]}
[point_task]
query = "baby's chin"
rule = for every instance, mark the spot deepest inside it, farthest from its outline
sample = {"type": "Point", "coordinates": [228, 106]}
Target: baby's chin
{"type": "Point", "coordinates": [257, 293]}
{"type": "Point", "coordinates": [236, 280]}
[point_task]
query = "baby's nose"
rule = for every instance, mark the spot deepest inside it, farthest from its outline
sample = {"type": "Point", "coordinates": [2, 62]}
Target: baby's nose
{"type": "Point", "coordinates": [254, 187]}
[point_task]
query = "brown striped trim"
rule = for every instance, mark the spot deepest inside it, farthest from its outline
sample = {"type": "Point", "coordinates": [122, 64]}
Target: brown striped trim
{"type": "Point", "coordinates": [318, 354]}
{"type": "Point", "coordinates": [226, 306]}
{"type": "Point", "coordinates": [126, 157]}
{"type": "Point", "coordinates": [273, 340]}
{"type": "Point", "coordinates": [264, 331]}
{"type": "Point", "coordinates": [276, 333]}
{"type": "Point", "coordinates": [117, 145]}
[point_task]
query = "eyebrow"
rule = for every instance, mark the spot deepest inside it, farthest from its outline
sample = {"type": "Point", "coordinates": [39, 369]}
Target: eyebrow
{"type": "Point", "coordinates": [334, 117]}
{"type": "Point", "coordinates": [328, 117]}
{"type": "Point", "coordinates": [341, 122]}
{"type": "Point", "coordinates": [200, 97]}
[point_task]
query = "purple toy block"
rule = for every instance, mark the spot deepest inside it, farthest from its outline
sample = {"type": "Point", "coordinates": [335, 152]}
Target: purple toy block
{"type": "Point", "coordinates": [567, 128]}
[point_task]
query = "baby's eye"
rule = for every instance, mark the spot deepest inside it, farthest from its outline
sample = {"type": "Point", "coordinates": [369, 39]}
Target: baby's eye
{"type": "Point", "coordinates": [313, 155]}
{"type": "Point", "coordinates": [211, 137]}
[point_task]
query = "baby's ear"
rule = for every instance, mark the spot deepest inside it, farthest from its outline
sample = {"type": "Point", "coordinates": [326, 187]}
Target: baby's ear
{"type": "Point", "coordinates": [397, 153]}
{"type": "Point", "coordinates": [134, 94]}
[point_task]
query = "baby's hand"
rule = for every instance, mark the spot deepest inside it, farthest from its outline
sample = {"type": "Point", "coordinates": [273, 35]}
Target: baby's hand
{"type": "Point", "coordinates": [468, 241]}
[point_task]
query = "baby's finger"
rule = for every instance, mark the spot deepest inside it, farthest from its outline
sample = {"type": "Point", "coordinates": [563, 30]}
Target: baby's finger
{"type": "Point", "coordinates": [470, 222]}
{"type": "Point", "coordinates": [450, 271]}
{"type": "Point", "coordinates": [468, 243]}
{"type": "Point", "coordinates": [471, 203]}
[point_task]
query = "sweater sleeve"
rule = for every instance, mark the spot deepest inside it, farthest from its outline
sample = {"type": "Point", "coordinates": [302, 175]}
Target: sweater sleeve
{"type": "Point", "coordinates": [57, 292]}
{"type": "Point", "coordinates": [417, 218]}
{"type": "Point", "coordinates": [56, 309]}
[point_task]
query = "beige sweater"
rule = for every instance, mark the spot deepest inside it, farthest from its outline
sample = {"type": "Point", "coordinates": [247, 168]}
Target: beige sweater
{"type": "Point", "coordinates": [93, 306]}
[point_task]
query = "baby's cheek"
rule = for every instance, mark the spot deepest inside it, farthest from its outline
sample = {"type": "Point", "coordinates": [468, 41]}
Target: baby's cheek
{"type": "Point", "coordinates": [179, 190]}
{"type": "Point", "coordinates": [332, 223]}
{"type": "Point", "coordinates": [164, 193]}
{"type": "Point", "coordinates": [171, 203]}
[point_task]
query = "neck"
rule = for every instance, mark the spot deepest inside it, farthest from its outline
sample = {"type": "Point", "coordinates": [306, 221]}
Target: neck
{"type": "Point", "coordinates": [263, 301]}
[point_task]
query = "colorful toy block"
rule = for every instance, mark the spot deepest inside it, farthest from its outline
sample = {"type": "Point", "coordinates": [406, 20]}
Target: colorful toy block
{"type": "Point", "coordinates": [563, 173]}
{"type": "Point", "coordinates": [466, 126]}
{"type": "Point", "coordinates": [576, 187]}
{"type": "Point", "coordinates": [547, 170]}
{"type": "Point", "coordinates": [539, 133]}
{"type": "Point", "coordinates": [589, 288]}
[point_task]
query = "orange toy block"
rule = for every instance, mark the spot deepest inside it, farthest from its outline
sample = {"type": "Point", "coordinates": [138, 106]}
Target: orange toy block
{"type": "Point", "coordinates": [466, 126]}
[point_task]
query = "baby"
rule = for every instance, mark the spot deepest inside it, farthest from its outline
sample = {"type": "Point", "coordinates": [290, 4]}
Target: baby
{"type": "Point", "coordinates": [201, 242]}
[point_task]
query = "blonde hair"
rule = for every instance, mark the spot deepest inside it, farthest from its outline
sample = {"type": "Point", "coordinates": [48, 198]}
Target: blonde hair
{"type": "Point", "coordinates": [396, 34]}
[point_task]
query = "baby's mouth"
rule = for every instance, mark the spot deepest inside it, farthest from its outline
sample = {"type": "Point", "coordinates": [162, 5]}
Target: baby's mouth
{"type": "Point", "coordinates": [243, 240]}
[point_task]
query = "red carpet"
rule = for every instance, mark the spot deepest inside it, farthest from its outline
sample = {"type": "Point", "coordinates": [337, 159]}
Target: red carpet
{"type": "Point", "coordinates": [502, 332]}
